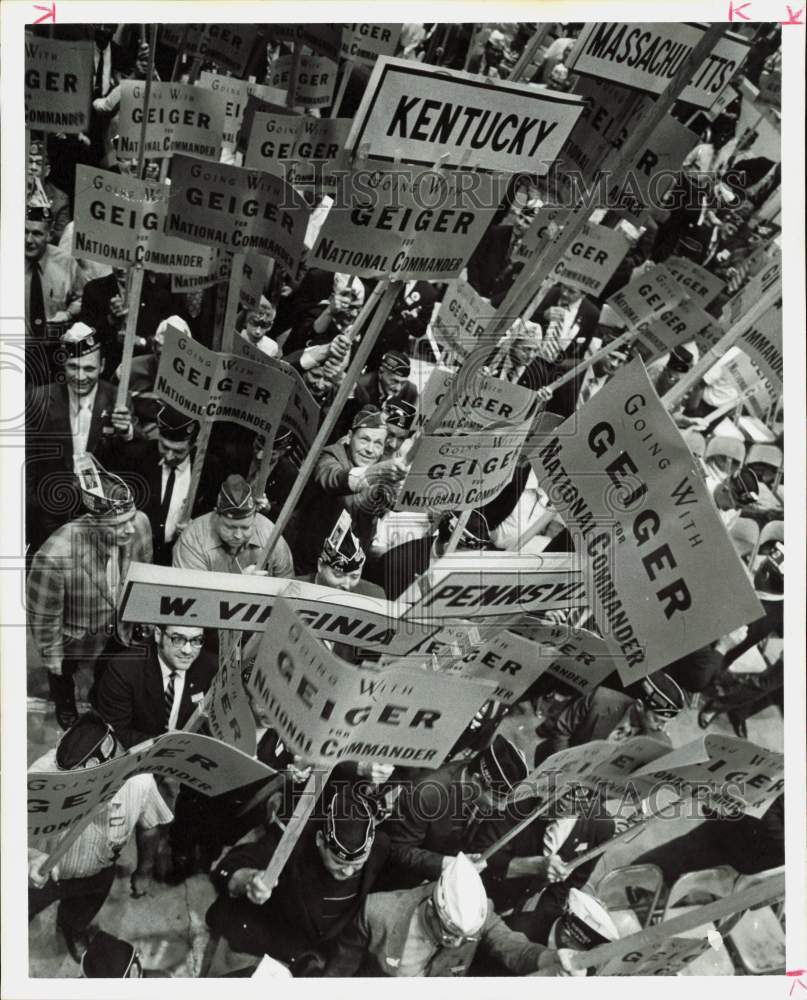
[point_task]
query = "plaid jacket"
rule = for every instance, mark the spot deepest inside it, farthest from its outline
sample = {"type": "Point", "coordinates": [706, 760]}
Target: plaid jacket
{"type": "Point", "coordinates": [68, 594]}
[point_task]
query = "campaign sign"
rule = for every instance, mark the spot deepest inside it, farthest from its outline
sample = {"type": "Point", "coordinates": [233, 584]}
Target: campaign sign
{"type": "Point", "coordinates": [58, 85]}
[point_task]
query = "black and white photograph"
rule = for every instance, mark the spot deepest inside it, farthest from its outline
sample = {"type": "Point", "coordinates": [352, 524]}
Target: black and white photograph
{"type": "Point", "coordinates": [464, 341]}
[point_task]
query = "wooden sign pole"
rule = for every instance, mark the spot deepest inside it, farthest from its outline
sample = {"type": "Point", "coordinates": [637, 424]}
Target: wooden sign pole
{"type": "Point", "coordinates": [767, 891]}
{"type": "Point", "coordinates": [135, 279]}
{"type": "Point", "coordinates": [518, 298]}
{"type": "Point", "coordinates": [382, 296]}
{"type": "Point", "coordinates": [305, 806]}
{"type": "Point", "coordinates": [678, 392]}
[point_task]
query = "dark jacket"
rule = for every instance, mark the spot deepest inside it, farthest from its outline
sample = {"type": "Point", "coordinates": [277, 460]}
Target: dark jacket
{"type": "Point", "coordinates": [285, 926]}
{"type": "Point", "coordinates": [590, 717]}
{"type": "Point", "coordinates": [431, 820]}
{"type": "Point", "coordinates": [540, 372]}
{"type": "Point", "coordinates": [156, 304]}
{"type": "Point", "coordinates": [505, 892]}
{"type": "Point", "coordinates": [51, 496]}
{"type": "Point", "coordinates": [328, 494]}
{"type": "Point", "coordinates": [131, 697]}
{"type": "Point", "coordinates": [138, 462]}
{"type": "Point", "coordinates": [490, 259]}
{"type": "Point", "coordinates": [374, 943]}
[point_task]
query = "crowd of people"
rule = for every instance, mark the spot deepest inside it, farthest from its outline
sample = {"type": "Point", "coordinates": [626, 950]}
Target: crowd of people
{"type": "Point", "coordinates": [388, 876]}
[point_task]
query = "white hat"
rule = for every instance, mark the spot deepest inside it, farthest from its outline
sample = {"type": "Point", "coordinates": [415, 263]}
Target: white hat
{"type": "Point", "coordinates": [767, 454]}
{"type": "Point", "coordinates": [459, 896]}
{"type": "Point", "coordinates": [497, 40]}
{"type": "Point", "coordinates": [728, 446]}
{"type": "Point", "coordinates": [178, 323]}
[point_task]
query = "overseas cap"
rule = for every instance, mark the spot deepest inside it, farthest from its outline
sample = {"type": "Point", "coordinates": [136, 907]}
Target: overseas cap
{"type": "Point", "coordinates": [341, 550]}
{"type": "Point", "coordinates": [102, 492]}
{"type": "Point", "coordinates": [368, 416]}
{"type": "Point", "coordinates": [80, 339]}
{"type": "Point", "coordinates": [502, 765]}
{"type": "Point", "coordinates": [396, 362]}
{"type": "Point", "coordinates": [460, 898]}
{"type": "Point", "coordinates": [400, 412]}
{"type": "Point", "coordinates": [585, 924]}
{"type": "Point", "coordinates": [175, 426]}
{"type": "Point", "coordinates": [235, 499]}
{"type": "Point", "coordinates": [177, 322]}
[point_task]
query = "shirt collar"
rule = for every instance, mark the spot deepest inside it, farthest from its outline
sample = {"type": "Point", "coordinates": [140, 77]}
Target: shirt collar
{"type": "Point", "coordinates": [182, 467]}
{"type": "Point", "coordinates": [77, 402]}
{"type": "Point", "coordinates": [166, 671]}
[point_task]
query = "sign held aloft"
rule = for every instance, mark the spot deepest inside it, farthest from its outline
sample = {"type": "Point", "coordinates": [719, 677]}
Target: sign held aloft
{"type": "Point", "coordinates": [327, 710]}
{"type": "Point", "coordinates": [58, 85]}
{"type": "Point", "coordinates": [418, 113]}
{"type": "Point", "coordinates": [181, 118]}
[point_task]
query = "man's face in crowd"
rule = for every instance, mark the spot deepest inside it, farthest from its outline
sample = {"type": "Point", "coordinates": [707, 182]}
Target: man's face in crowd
{"type": "Point", "coordinates": [36, 239]}
{"type": "Point", "coordinates": [120, 528]}
{"type": "Point", "coordinates": [336, 868]}
{"type": "Point", "coordinates": [567, 295]}
{"type": "Point", "coordinates": [102, 34]}
{"type": "Point", "coordinates": [486, 797]}
{"type": "Point", "coordinates": [179, 647]}
{"type": "Point", "coordinates": [344, 309]}
{"type": "Point", "coordinates": [367, 445]}
{"type": "Point", "coordinates": [395, 438]}
{"type": "Point", "coordinates": [317, 381]}
{"type": "Point", "coordinates": [82, 374]}
{"type": "Point", "coordinates": [524, 350]}
{"type": "Point", "coordinates": [173, 453]}
{"type": "Point", "coordinates": [329, 576]}
{"type": "Point", "coordinates": [234, 532]}
{"type": "Point", "coordinates": [121, 275]}
{"type": "Point", "coordinates": [390, 382]}
{"type": "Point", "coordinates": [724, 465]}
{"type": "Point", "coordinates": [259, 323]}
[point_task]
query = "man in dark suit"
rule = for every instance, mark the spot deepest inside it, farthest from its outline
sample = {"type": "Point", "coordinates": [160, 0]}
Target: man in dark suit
{"type": "Point", "coordinates": [333, 867]}
{"type": "Point", "coordinates": [645, 708]}
{"type": "Point", "coordinates": [375, 388]}
{"type": "Point", "coordinates": [569, 322]}
{"type": "Point", "coordinates": [64, 419]}
{"type": "Point", "coordinates": [157, 691]}
{"type": "Point", "coordinates": [104, 306]}
{"type": "Point", "coordinates": [159, 474]}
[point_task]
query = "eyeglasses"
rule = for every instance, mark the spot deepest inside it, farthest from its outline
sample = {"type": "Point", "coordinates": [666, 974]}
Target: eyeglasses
{"type": "Point", "coordinates": [451, 937]}
{"type": "Point", "coordinates": [178, 641]}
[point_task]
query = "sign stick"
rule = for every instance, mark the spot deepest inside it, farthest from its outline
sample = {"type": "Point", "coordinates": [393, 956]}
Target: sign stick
{"type": "Point", "coordinates": [456, 534]}
{"type": "Point", "coordinates": [516, 830]}
{"type": "Point", "coordinates": [767, 891]}
{"type": "Point", "coordinates": [347, 72]}
{"type": "Point", "coordinates": [135, 280]}
{"type": "Point", "coordinates": [769, 298]}
{"type": "Point", "coordinates": [180, 53]}
{"type": "Point", "coordinates": [67, 842]}
{"type": "Point", "coordinates": [383, 296]}
{"type": "Point", "coordinates": [529, 52]}
{"type": "Point", "coordinates": [523, 289]}
{"type": "Point", "coordinates": [295, 69]}
{"type": "Point", "coordinates": [305, 806]}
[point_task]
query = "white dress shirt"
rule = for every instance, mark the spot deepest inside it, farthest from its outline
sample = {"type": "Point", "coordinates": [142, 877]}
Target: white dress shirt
{"type": "Point", "coordinates": [106, 72]}
{"type": "Point", "coordinates": [80, 418]}
{"type": "Point", "coordinates": [182, 484]}
{"type": "Point", "coordinates": [179, 687]}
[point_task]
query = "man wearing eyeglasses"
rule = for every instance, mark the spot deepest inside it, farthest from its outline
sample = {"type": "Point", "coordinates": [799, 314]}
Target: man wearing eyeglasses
{"type": "Point", "coordinates": [435, 930]}
{"type": "Point", "coordinates": [81, 880]}
{"type": "Point", "coordinates": [144, 696]}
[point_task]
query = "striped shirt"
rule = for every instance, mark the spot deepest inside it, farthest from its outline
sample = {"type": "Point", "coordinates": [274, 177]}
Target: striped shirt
{"type": "Point", "coordinates": [136, 802]}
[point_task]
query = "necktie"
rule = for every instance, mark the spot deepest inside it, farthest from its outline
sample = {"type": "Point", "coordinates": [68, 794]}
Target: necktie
{"type": "Point", "coordinates": [83, 419]}
{"type": "Point", "coordinates": [552, 344]}
{"type": "Point", "coordinates": [98, 84]}
{"type": "Point", "coordinates": [36, 303]}
{"type": "Point", "coordinates": [166, 501]}
{"type": "Point", "coordinates": [169, 696]}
